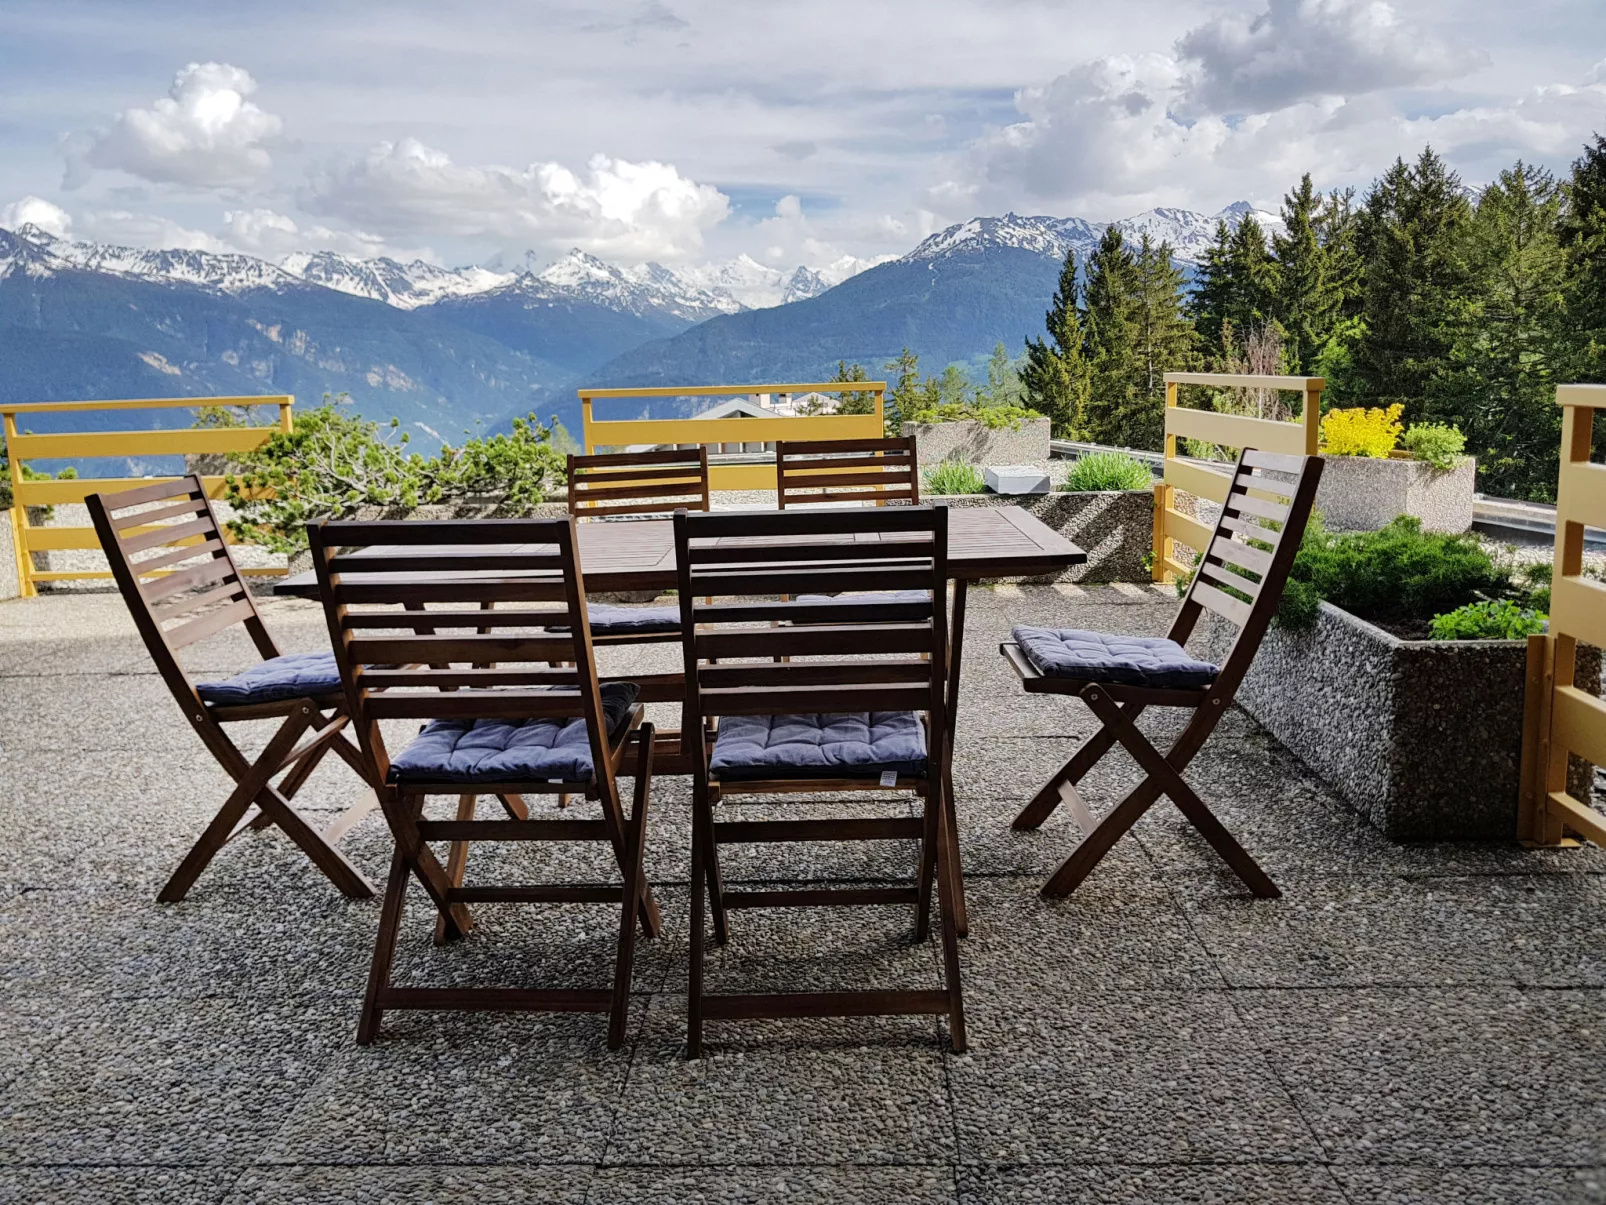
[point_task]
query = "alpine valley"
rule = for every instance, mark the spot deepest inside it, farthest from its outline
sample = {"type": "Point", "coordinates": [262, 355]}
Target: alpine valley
{"type": "Point", "coordinates": [446, 349]}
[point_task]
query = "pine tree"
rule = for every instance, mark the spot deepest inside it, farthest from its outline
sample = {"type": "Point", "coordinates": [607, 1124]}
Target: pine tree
{"type": "Point", "coordinates": [904, 397]}
{"type": "Point", "coordinates": [1581, 231]}
{"type": "Point", "coordinates": [1165, 343]}
{"type": "Point", "coordinates": [1004, 387]}
{"type": "Point", "coordinates": [1212, 288]}
{"type": "Point", "coordinates": [1306, 300]}
{"type": "Point", "coordinates": [1054, 378]}
{"type": "Point", "coordinates": [1411, 239]}
{"type": "Point", "coordinates": [1253, 275]}
{"type": "Point", "coordinates": [1112, 337]}
{"type": "Point", "coordinates": [1509, 336]}
{"type": "Point", "coordinates": [856, 402]}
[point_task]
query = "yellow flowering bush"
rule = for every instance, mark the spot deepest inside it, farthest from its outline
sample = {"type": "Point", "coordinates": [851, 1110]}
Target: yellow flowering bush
{"type": "Point", "coordinates": [1361, 432]}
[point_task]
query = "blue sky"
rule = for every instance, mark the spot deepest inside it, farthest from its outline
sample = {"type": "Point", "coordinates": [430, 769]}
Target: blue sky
{"type": "Point", "coordinates": [685, 131]}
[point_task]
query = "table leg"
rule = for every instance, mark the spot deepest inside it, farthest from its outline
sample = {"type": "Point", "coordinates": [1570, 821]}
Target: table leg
{"type": "Point", "coordinates": [956, 649]}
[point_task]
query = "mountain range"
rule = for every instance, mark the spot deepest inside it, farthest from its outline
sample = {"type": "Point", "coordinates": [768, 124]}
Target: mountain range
{"type": "Point", "coordinates": [445, 348]}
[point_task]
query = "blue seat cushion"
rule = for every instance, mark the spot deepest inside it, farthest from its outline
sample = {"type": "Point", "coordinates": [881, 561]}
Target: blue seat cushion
{"type": "Point", "coordinates": [607, 620]}
{"type": "Point", "coordinates": [545, 750]}
{"type": "Point", "coordinates": [856, 745]}
{"type": "Point", "coordinates": [292, 676]}
{"type": "Point", "coordinates": [1103, 657]}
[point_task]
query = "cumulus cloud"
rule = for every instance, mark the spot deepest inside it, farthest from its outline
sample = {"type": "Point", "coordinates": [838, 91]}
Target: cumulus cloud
{"type": "Point", "coordinates": [123, 228]}
{"type": "Point", "coordinates": [204, 133]}
{"type": "Point", "coordinates": [274, 235]}
{"type": "Point", "coordinates": [1297, 50]}
{"type": "Point", "coordinates": [36, 211]}
{"type": "Point", "coordinates": [628, 211]}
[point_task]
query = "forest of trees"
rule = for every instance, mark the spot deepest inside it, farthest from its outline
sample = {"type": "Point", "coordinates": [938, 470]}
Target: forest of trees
{"type": "Point", "coordinates": [1466, 308]}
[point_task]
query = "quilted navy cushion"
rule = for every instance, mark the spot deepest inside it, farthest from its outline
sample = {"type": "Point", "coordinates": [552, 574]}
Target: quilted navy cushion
{"type": "Point", "coordinates": [609, 620]}
{"type": "Point", "coordinates": [292, 676]}
{"type": "Point", "coordinates": [857, 745]}
{"type": "Point", "coordinates": [1102, 657]}
{"type": "Point", "coordinates": [465, 751]}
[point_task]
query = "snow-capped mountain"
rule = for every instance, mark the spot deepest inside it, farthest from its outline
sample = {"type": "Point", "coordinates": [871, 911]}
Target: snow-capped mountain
{"type": "Point", "coordinates": [1189, 233]}
{"type": "Point", "coordinates": [758, 287]}
{"type": "Point", "coordinates": [644, 290]}
{"type": "Point", "coordinates": [405, 286]}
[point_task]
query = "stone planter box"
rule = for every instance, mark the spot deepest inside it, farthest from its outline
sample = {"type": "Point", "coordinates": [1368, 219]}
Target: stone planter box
{"type": "Point", "coordinates": [8, 557]}
{"type": "Point", "coordinates": [1422, 737]}
{"type": "Point", "coordinates": [973, 443]}
{"type": "Point", "coordinates": [1362, 493]}
{"type": "Point", "coordinates": [1115, 528]}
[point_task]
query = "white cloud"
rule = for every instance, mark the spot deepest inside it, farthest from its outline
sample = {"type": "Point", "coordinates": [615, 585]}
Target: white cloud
{"type": "Point", "coordinates": [1298, 50]}
{"type": "Point", "coordinates": [144, 230]}
{"type": "Point", "coordinates": [36, 211]}
{"type": "Point", "coordinates": [204, 133]}
{"type": "Point", "coordinates": [618, 209]}
{"type": "Point", "coordinates": [274, 235]}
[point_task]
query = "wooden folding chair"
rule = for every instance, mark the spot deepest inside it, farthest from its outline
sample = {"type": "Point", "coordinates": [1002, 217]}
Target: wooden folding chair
{"type": "Point", "coordinates": [870, 709]}
{"type": "Point", "coordinates": [514, 708]}
{"type": "Point", "coordinates": [182, 586]}
{"type": "Point", "coordinates": [832, 472]}
{"type": "Point", "coordinates": [1240, 578]}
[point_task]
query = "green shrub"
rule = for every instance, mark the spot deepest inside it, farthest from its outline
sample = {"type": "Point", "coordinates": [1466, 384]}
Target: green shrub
{"type": "Point", "coordinates": [1399, 575]}
{"type": "Point", "coordinates": [1108, 471]}
{"type": "Point", "coordinates": [335, 463]}
{"type": "Point", "coordinates": [955, 477]}
{"type": "Point", "coordinates": [1492, 619]}
{"type": "Point", "coordinates": [994, 418]}
{"type": "Point", "coordinates": [1534, 585]}
{"type": "Point", "coordinates": [1436, 444]}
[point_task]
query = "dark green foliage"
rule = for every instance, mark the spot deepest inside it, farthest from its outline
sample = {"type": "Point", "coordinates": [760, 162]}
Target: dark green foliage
{"type": "Point", "coordinates": [1492, 619]}
{"type": "Point", "coordinates": [903, 396]}
{"type": "Point", "coordinates": [1307, 296]}
{"type": "Point", "coordinates": [1399, 576]}
{"type": "Point", "coordinates": [1055, 377]}
{"type": "Point", "coordinates": [1212, 298]}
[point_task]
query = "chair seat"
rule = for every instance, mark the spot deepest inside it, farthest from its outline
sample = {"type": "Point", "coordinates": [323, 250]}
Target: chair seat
{"type": "Point", "coordinates": [609, 620]}
{"type": "Point", "coordinates": [496, 751]}
{"type": "Point", "coordinates": [856, 745]}
{"type": "Point", "coordinates": [1104, 657]}
{"type": "Point", "coordinates": [292, 676]}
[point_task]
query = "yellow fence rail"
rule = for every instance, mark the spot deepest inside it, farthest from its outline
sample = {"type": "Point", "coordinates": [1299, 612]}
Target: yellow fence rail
{"type": "Point", "coordinates": [713, 432]}
{"type": "Point", "coordinates": [81, 445]}
{"type": "Point", "coordinates": [1559, 719]}
{"type": "Point", "coordinates": [1171, 526]}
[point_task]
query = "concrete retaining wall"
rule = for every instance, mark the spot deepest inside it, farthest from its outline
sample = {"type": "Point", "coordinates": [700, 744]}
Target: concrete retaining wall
{"type": "Point", "coordinates": [1361, 493]}
{"type": "Point", "coordinates": [972, 443]}
{"type": "Point", "coordinates": [8, 558]}
{"type": "Point", "coordinates": [1422, 737]}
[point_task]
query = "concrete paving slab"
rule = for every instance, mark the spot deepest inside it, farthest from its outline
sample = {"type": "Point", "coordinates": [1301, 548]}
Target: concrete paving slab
{"type": "Point", "coordinates": [1264, 1184]}
{"type": "Point", "coordinates": [823, 1185]}
{"type": "Point", "coordinates": [115, 1185]}
{"type": "Point", "coordinates": [559, 1184]}
{"type": "Point", "coordinates": [1472, 1185]}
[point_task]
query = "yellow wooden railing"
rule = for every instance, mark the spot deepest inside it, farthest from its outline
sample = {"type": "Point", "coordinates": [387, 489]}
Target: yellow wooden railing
{"type": "Point", "coordinates": [1171, 526]}
{"type": "Point", "coordinates": [673, 432]}
{"type": "Point", "coordinates": [1560, 719]}
{"type": "Point", "coordinates": [81, 445]}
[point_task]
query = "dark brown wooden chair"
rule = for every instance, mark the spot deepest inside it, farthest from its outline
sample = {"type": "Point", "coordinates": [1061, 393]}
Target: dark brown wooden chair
{"type": "Point", "coordinates": [868, 706]}
{"type": "Point", "coordinates": [837, 471]}
{"type": "Point", "coordinates": [181, 584]}
{"type": "Point", "coordinates": [514, 708]}
{"type": "Point", "coordinates": [1240, 578]}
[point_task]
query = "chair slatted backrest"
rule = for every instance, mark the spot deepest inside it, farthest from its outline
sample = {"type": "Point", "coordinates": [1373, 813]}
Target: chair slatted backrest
{"type": "Point", "coordinates": [1240, 577]}
{"type": "Point", "coordinates": [487, 652]}
{"type": "Point", "coordinates": [846, 655]}
{"type": "Point", "coordinates": [175, 571]}
{"type": "Point", "coordinates": [639, 483]}
{"type": "Point", "coordinates": [818, 472]}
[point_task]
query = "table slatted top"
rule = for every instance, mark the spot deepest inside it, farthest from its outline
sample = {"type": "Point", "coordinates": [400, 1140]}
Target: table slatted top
{"type": "Point", "coordinates": [983, 542]}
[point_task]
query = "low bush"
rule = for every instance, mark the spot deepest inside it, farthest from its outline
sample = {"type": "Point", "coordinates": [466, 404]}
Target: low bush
{"type": "Point", "coordinates": [955, 477]}
{"type": "Point", "coordinates": [1108, 471]}
{"type": "Point", "coordinates": [1435, 444]}
{"type": "Point", "coordinates": [335, 463]}
{"type": "Point", "coordinates": [1399, 576]}
{"type": "Point", "coordinates": [1492, 619]}
{"type": "Point", "coordinates": [994, 418]}
{"type": "Point", "coordinates": [1361, 432]}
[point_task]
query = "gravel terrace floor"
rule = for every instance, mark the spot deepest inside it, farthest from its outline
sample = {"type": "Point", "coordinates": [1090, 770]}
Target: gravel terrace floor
{"type": "Point", "coordinates": [1409, 1023]}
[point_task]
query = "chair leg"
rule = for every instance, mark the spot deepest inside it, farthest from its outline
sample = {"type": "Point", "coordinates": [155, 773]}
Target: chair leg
{"type": "Point", "coordinates": [948, 897]}
{"type": "Point", "coordinates": [456, 860]}
{"type": "Point", "coordinates": [334, 864]}
{"type": "Point", "coordinates": [926, 870]}
{"type": "Point", "coordinates": [1170, 782]}
{"type": "Point", "coordinates": [515, 806]}
{"type": "Point", "coordinates": [703, 836]}
{"type": "Point", "coordinates": [636, 846]}
{"type": "Point", "coordinates": [384, 949]}
{"type": "Point", "coordinates": [1091, 752]}
{"type": "Point", "coordinates": [694, 978]}
{"type": "Point", "coordinates": [251, 778]}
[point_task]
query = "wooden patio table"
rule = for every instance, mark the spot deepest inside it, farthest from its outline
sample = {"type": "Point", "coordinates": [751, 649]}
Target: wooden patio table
{"type": "Point", "coordinates": [983, 543]}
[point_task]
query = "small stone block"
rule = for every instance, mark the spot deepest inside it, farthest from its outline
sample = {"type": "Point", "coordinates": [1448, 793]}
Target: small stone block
{"type": "Point", "coordinates": [1016, 479]}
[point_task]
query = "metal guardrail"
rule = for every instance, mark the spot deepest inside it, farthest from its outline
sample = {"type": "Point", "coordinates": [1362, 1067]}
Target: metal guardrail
{"type": "Point", "coordinates": [711, 432]}
{"type": "Point", "coordinates": [83, 445]}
